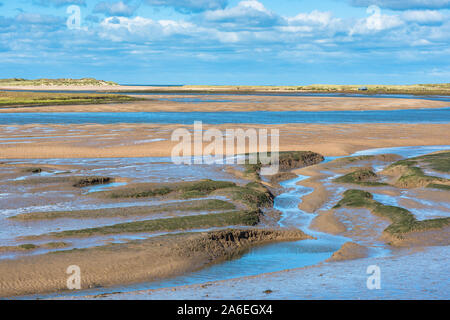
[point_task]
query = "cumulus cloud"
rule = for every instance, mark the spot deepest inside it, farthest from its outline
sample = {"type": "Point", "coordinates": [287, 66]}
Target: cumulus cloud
{"type": "Point", "coordinates": [119, 8]}
{"type": "Point", "coordinates": [190, 6]}
{"type": "Point", "coordinates": [403, 5]}
{"type": "Point", "coordinates": [36, 18]}
{"type": "Point", "coordinates": [246, 31]}
{"type": "Point", "coordinates": [140, 28]}
{"type": "Point", "coordinates": [59, 3]}
{"type": "Point", "coordinates": [248, 13]}
{"type": "Point", "coordinates": [376, 22]}
{"type": "Point", "coordinates": [429, 17]}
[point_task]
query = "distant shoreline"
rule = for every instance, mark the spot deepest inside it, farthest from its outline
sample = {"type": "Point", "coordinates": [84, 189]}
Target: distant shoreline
{"type": "Point", "coordinates": [427, 90]}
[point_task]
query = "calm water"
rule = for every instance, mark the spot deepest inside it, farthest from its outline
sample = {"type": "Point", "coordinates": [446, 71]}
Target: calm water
{"type": "Point", "coordinates": [441, 115]}
{"type": "Point", "coordinates": [237, 94]}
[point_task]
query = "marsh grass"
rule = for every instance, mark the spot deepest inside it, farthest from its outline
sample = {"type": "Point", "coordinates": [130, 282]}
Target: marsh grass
{"type": "Point", "coordinates": [27, 246]}
{"type": "Point", "coordinates": [194, 206]}
{"type": "Point", "coordinates": [437, 161]}
{"type": "Point", "coordinates": [31, 246]}
{"type": "Point", "coordinates": [17, 99]}
{"type": "Point", "coordinates": [402, 220]}
{"type": "Point", "coordinates": [183, 190]}
{"type": "Point", "coordinates": [74, 181]}
{"type": "Point", "coordinates": [245, 218]}
{"type": "Point", "coordinates": [288, 160]}
{"type": "Point", "coordinates": [32, 170]}
{"type": "Point", "coordinates": [413, 176]}
{"type": "Point", "coordinates": [439, 186]}
{"type": "Point", "coordinates": [254, 194]}
{"type": "Point", "coordinates": [91, 181]}
{"type": "Point", "coordinates": [364, 177]}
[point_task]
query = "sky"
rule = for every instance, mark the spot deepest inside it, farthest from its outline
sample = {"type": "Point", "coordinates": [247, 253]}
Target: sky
{"type": "Point", "coordinates": [234, 42]}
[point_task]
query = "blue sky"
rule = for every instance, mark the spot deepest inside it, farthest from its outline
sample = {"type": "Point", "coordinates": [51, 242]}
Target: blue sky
{"type": "Point", "coordinates": [249, 42]}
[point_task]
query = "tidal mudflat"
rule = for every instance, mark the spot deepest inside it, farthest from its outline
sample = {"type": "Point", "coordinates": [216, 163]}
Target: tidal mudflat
{"type": "Point", "coordinates": [105, 196]}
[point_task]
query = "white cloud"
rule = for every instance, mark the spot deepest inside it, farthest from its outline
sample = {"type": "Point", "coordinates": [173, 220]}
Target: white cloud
{"type": "Point", "coordinates": [376, 22]}
{"type": "Point", "coordinates": [59, 3]}
{"type": "Point", "coordinates": [423, 16]}
{"type": "Point", "coordinates": [404, 5]}
{"type": "Point", "coordinates": [247, 13]}
{"type": "Point", "coordinates": [189, 6]}
{"type": "Point", "coordinates": [115, 8]}
{"type": "Point", "coordinates": [313, 18]}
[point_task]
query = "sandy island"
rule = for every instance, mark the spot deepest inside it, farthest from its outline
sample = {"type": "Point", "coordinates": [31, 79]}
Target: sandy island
{"type": "Point", "coordinates": [154, 140]}
{"type": "Point", "coordinates": [236, 103]}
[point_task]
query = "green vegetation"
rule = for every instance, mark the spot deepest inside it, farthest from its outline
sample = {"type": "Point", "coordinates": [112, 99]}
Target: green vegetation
{"type": "Point", "coordinates": [439, 186]}
{"type": "Point", "coordinates": [253, 197]}
{"type": "Point", "coordinates": [137, 192]}
{"type": "Point", "coordinates": [416, 89]}
{"type": "Point", "coordinates": [56, 245]}
{"type": "Point", "coordinates": [204, 188]}
{"type": "Point", "coordinates": [19, 99]}
{"type": "Point", "coordinates": [436, 161]}
{"type": "Point", "coordinates": [182, 190]}
{"type": "Point", "coordinates": [411, 174]}
{"type": "Point", "coordinates": [247, 218]}
{"type": "Point", "coordinates": [28, 246]}
{"type": "Point", "coordinates": [288, 160]}
{"type": "Point", "coordinates": [91, 181]}
{"type": "Point", "coordinates": [298, 159]}
{"type": "Point", "coordinates": [364, 177]}
{"type": "Point", "coordinates": [402, 220]}
{"type": "Point", "coordinates": [55, 82]}
{"type": "Point", "coordinates": [32, 170]}
{"type": "Point", "coordinates": [194, 206]}
{"type": "Point", "coordinates": [78, 182]}
{"type": "Point", "coordinates": [254, 194]}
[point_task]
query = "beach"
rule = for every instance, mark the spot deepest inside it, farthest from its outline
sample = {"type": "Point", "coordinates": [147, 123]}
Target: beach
{"type": "Point", "coordinates": [154, 140]}
{"type": "Point", "coordinates": [100, 192]}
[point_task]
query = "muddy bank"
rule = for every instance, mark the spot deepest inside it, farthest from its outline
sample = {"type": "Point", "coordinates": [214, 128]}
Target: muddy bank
{"type": "Point", "coordinates": [133, 262]}
{"type": "Point", "coordinates": [349, 251]}
{"type": "Point", "coordinates": [434, 237]}
{"type": "Point", "coordinates": [327, 222]}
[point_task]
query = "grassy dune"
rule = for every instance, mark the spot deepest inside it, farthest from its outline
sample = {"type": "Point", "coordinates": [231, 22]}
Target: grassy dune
{"type": "Point", "coordinates": [55, 82]}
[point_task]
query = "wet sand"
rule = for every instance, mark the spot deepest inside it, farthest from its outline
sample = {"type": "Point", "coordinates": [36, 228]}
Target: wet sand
{"type": "Point", "coordinates": [336, 280]}
{"type": "Point", "coordinates": [236, 103]}
{"type": "Point", "coordinates": [133, 262]}
{"type": "Point", "coordinates": [153, 140]}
